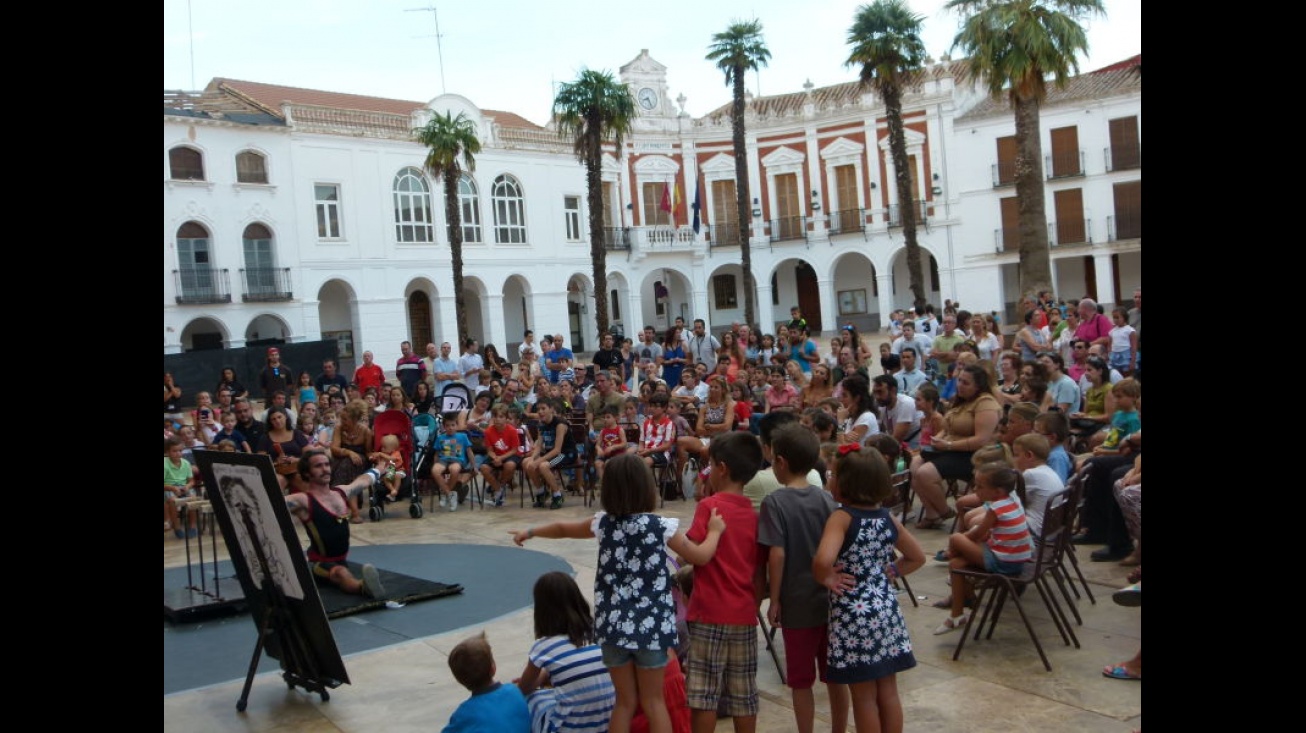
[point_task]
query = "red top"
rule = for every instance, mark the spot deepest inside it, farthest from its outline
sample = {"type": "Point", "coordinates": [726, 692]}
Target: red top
{"type": "Point", "coordinates": [502, 442]}
{"type": "Point", "coordinates": [369, 375]}
{"type": "Point", "coordinates": [723, 588]}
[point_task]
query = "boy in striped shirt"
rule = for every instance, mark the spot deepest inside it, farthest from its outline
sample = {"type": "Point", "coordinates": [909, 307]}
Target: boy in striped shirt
{"type": "Point", "coordinates": [999, 543]}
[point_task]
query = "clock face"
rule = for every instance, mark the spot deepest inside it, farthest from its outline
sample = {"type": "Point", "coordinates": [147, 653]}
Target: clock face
{"type": "Point", "coordinates": [648, 99]}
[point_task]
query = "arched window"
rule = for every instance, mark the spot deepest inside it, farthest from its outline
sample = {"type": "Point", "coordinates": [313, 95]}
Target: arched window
{"type": "Point", "coordinates": [186, 164]}
{"type": "Point", "coordinates": [251, 167]}
{"type": "Point", "coordinates": [413, 222]}
{"type": "Point", "coordinates": [260, 261]}
{"type": "Point", "coordinates": [509, 211]}
{"type": "Point", "coordinates": [193, 258]}
{"type": "Point", "coordinates": [469, 201]}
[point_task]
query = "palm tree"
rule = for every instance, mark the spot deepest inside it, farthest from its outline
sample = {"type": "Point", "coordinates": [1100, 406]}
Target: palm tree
{"type": "Point", "coordinates": [886, 41]}
{"type": "Point", "coordinates": [451, 140]}
{"type": "Point", "coordinates": [736, 50]}
{"type": "Point", "coordinates": [1014, 46]}
{"type": "Point", "coordinates": [591, 110]}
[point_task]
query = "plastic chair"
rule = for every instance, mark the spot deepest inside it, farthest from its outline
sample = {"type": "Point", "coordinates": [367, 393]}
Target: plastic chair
{"type": "Point", "coordinates": [994, 589]}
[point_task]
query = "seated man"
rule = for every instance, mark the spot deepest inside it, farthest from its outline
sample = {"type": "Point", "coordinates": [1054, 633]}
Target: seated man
{"type": "Point", "coordinates": [324, 511]}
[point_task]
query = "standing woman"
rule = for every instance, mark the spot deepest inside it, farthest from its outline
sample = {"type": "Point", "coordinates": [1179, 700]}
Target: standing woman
{"type": "Point", "coordinates": [987, 343]}
{"type": "Point", "coordinates": [731, 347]}
{"type": "Point", "coordinates": [229, 381]}
{"type": "Point", "coordinates": [350, 445]}
{"type": "Point", "coordinates": [751, 348]}
{"type": "Point", "coordinates": [628, 363]}
{"type": "Point", "coordinates": [171, 399]}
{"type": "Point", "coordinates": [861, 352]}
{"type": "Point", "coordinates": [971, 423]}
{"type": "Point", "coordinates": [673, 357]}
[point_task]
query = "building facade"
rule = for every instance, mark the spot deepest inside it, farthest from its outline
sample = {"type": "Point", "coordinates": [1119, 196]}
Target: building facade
{"type": "Point", "coordinates": [293, 214]}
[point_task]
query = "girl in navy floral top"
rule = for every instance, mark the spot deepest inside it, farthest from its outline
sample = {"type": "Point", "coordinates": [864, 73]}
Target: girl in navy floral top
{"type": "Point", "coordinates": [634, 611]}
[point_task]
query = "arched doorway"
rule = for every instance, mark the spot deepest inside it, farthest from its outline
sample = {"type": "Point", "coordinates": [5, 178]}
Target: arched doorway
{"type": "Point", "coordinates": [420, 328]}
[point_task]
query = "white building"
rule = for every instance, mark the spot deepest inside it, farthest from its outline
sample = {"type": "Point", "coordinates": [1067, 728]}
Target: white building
{"type": "Point", "coordinates": [293, 214]}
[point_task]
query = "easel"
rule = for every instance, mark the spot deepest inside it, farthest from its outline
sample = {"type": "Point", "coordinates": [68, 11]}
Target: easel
{"type": "Point", "coordinates": [295, 653]}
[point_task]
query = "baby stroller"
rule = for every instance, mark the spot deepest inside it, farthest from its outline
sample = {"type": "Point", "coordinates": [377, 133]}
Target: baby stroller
{"type": "Point", "coordinates": [398, 424]}
{"type": "Point", "coordinates": [425, 427]}
{"type": "Point", "coordinates": [456, 397]}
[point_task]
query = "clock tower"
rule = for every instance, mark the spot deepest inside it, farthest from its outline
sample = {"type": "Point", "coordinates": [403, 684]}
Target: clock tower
{"type": "Point", "coordinates": [647, 81]}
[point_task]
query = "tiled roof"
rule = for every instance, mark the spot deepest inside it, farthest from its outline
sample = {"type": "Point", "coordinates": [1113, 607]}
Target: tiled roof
{"type": "Point", "coordinates": [269, 97]}
{"type": "Point", "coordinates": [1118, 78]}
{"type": "Point", "coordinates": [831, 97]}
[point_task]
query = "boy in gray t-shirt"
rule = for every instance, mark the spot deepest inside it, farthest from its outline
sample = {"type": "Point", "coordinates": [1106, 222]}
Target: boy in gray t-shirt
{"type": "Point", "coordinates": [791, 522]}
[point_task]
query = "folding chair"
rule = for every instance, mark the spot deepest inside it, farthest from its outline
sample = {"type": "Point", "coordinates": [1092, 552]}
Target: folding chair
{"type": "Point", "coordinates": [996, 588]}
{"type": "Point", "coordinates": [768, 635]}
{"type": "Point", "coordinates": [1075, 498]}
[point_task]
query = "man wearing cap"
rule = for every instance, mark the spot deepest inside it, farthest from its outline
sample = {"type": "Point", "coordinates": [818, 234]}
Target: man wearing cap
{"type": "Point", "coordinates": [275, 376]}
{"type": "Point", "coordinates": [368, 375]}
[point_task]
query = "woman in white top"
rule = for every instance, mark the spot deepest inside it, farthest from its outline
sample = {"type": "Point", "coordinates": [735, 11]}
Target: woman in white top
{"type": "Point", "coordinates": [860, 421]}
{"type": "Point", "coordinates": [987, 343]}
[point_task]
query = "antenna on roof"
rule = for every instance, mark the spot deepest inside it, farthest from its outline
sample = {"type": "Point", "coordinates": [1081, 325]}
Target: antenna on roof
{"type": "Point", "coordinates": [439, 50]}
{"type": "Point", "coordinates": [190, 28]}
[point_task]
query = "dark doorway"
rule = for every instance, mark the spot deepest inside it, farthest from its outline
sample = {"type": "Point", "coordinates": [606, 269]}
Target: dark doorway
{"type": "Point", "coordinates": [419, 321]}
{"type": "Point", "coordinates": [809, 296]}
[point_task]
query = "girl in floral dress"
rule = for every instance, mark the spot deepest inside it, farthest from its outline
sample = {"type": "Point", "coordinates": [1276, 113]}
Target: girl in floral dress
{"type": "Point", "coordinates": [634, 610]}
{"type": "Point", "coordinates": [855, 561]}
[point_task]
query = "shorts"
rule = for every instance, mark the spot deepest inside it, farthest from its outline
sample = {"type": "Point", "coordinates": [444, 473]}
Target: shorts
{"type": "Point", "coordinates": [994, 565]}
{"type": "Point", "coordinates": [451, 461]}
{"type": "Point", "coordinates": [514, 459]}
{"type": "Point", "coordinates": [562, 458]}
{"type": "Point", "coordinates": [322, 569]}
{"type": "Point", "coordinates": [659, 459]}
{"type": "Point", "coordinates": [185, 494]}
{"type": "Point", "coordinates": [721, 668]}
{"type": "Point", "coordinates": [1119, 360]}
{"type": "Point", "coordinates": [616, 656]}
{"type": "Point", "coordinates": [805, 656]}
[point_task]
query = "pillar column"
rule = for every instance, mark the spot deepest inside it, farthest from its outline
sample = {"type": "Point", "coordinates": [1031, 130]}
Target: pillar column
{"type": "Point", "coordinates": [1106, 292]}
{"type": "Point", "coordinates": [829, 309]}
{"type": "Point", "coordinates": [495, 330]}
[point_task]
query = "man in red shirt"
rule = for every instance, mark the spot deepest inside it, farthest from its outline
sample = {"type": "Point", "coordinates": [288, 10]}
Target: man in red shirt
{"type": "Point", "coordinates": [368, 375]}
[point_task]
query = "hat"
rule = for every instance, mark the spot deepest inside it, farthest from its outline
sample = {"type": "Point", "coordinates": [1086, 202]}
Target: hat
{"type": "Point", "coordinates": [273, 350]}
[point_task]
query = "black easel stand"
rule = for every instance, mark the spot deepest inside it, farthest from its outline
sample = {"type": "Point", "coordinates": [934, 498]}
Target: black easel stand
{"type": "Point", "coordinates": [280, 629]}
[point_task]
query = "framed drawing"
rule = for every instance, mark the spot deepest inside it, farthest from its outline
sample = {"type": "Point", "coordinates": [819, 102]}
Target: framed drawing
{"type": "Point", "coordinates": [345, 339]}
{"type": "Point", "coordinates": [852, 301]}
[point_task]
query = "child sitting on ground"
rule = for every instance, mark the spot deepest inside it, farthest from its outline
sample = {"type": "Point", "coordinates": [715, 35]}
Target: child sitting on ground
{"type": "Point", "coordinates": [493, 705]}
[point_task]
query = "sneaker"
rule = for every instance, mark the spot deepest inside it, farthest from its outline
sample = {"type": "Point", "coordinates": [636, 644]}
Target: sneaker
{"type": "Point", "coordinates": [453, 502]}
{"type": "Point", "coordinates": [179, 534]}
{"type": "Point", "coordinates": [1130, 596]}
{"type": "Point", "coordinates": [444, 501]}
{"type": "Point", "coordinates": [557, 502]}
{"type": "Point", "coordinates": [499, 496]}
{"type": "Point", "coordinates": [539, 502]}
{"type": "Point", "coordinates": [372, 587]}
{"type": "Point", "coordinates": [192, 532]}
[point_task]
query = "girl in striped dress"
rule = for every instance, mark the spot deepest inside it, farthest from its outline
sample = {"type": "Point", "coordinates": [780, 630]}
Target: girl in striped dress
{"type": "Point", "coordinates": [567, 688]}
{"type": "Point", "coordinates": [999, 543]}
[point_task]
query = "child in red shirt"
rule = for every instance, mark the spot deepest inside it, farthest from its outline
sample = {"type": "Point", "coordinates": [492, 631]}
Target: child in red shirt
{"type": "Point", "coordinates": [611, 440]}
{"type": "Point", "coordinates": [501, 453]}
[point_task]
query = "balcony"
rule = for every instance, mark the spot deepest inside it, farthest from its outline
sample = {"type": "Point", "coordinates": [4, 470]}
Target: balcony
{"type": "Point", "coordinates": [664, 236]}
{"type": "Point", "coordinates": [1123, 157]}
{"type": "Point", "coordinates": [790, 227]}
{"type": "Point", "coordinates": [202, 285]}
{"type": "Point", "coordinates": [266, 284]}
{"type": "Point", "coordinates": [1064, 164]}
{"type": "Point", "coordinates": [895, 213]}
{"type": "Point", "coordinates": [1070, 232]}
{"type": "Point", "coordinates": [723, 235]}
{"type": "Point", "coordinates": [1006, 240]}
{"type": "Point", "coordinates": [1128, 225]}
{"type": "Point", "coordinates": [848, 220]}
{"type": "Point", "coordinates": [1004, 174]}
{"type": "Point", "coordinates": [616, 238]}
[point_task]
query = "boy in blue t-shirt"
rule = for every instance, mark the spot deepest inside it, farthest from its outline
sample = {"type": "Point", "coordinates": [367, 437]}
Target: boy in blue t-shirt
{"type": "Point", "coordinates": [453, 452]}
{"type": "Point", "coordinates": [493, 707]}
{"type": "Point", "coordinates": [1125, 421]}
{"type": "Point", "coordinates": [1055, 427]}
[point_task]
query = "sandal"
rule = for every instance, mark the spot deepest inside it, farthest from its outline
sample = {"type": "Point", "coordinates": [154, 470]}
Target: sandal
{"type": "Point", "coordinates": [1137, 575]}
{"type": "Point", "coordinates": [952, 623]}
{"type": "Point", "coordinates": [930, 523]}
{"type": "Point", "coordinates": [941, 556]}
{"type": "Point", "coordinates": [1118, 672]}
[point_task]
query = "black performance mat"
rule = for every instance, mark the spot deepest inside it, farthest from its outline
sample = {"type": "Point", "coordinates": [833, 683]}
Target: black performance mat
{"type": "Point", "coordinates": [398, 587]}
{"type": "Point", "coordinates": [495, 579]}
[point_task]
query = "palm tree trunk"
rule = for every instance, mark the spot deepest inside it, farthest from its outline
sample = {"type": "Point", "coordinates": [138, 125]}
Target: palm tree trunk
{"type": "Point", "coordinates": [743, 200]}
{"type": "Point", "coordinates": [906, 199]}
{"type": "Point", "coordinates": [453, 216]}
{"type": "Point", "coordinates": [1035, 269]}
{"type": "Point", "coordinates": [598, 250]}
